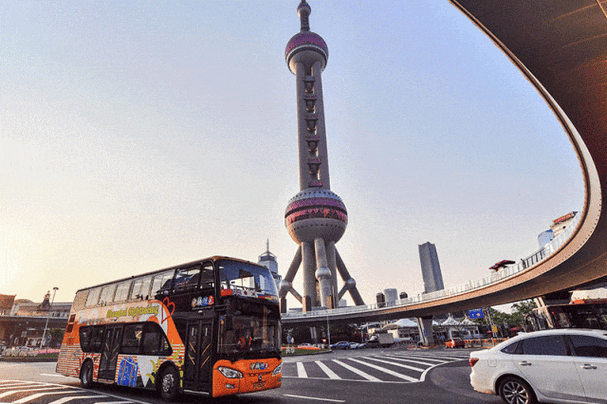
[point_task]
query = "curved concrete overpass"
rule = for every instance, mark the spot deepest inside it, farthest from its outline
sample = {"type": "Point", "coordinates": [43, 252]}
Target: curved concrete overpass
{"type": "Point", "coordinates": [561, 47]}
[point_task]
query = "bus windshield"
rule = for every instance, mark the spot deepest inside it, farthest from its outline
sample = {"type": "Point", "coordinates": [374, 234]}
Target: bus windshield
{"type": "Point", "coordinates": [244, 277]}
{"type": "Point", "coordinates": [249, 337]}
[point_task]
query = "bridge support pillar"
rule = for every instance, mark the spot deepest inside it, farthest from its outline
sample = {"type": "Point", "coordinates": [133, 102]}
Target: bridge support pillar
{"type": "Point", "coordinates": [314, 335]}
{"type": "Point", "coordinates": [425, 330]}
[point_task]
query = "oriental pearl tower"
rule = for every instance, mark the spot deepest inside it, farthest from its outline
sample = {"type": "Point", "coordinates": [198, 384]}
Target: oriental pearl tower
{"type": "Point", "coordinates": [315, 218]}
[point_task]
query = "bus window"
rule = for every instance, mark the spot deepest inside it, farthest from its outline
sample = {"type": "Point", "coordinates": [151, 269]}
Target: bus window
{"type": "Point", "coordinates": [154, 340]}
{"type": "Point", "coordinates": [91, 338]}
{"type": "Point", "coordinates": [131, 339]}
{"type": "Point", "coordinates": [162, 283]}
{"type": "Point", "coordinates": [145, 338]}
{"type": "Point", "coordinates": [207, 275]}
{"type": "Point", "coordinates": [93, 297]}
{"type": "Point", "coordinates": [122, 291]}
{"type": "Point", "coordinates": [141, 288]}
{"type": "Point", "coordinates": [187, 278]}
{"type": "Point", "coordinates": [237, 275]}
{"type": "Point", "coordinates": [107, 294]}
{"type": "Point", "coordinates": [85, 338]}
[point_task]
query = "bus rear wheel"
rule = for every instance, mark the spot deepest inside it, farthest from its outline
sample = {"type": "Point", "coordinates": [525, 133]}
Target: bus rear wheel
{"type": "Point", "coordinates": [169, 384]}
{"type": "Point", "coordinates": [86, 374]}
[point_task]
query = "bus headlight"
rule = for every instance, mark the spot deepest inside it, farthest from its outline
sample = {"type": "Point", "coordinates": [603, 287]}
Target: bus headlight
{"type": "Point", "coordinates": [278, 370]}
{"type": "Point", "coordinates": [230, 373]}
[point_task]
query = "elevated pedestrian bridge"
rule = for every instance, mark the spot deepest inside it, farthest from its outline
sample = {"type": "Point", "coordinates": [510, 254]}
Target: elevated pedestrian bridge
{"type": "Point", "coordinates": [561, 48]}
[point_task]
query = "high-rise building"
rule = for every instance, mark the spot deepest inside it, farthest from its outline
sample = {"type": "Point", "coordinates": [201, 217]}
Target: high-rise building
{"type": "Point", "coordinates": [268, 260]}
{"type": "Point", "coordinates": [431, 273]}
{"type": "Point", "coordinates": [316, 217]}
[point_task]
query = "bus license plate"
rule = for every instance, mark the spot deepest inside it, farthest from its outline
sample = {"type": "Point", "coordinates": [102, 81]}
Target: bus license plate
{"type": "Point", "coordinates": [259, 385]}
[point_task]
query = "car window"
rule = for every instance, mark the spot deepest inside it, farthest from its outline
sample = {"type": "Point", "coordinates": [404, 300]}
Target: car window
{"type": "Point", "coordinates": [545, 345]}
{"type": "Point", "coordinates": [588, 346]}
{"type": "Point", "coordinates": [511, 349]}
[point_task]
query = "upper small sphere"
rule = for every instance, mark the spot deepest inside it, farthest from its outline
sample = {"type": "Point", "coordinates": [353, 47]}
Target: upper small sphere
{"type": "Point", "coordinates": [316, 213]}
{"type": "Point", "coordinates": [303, 8]}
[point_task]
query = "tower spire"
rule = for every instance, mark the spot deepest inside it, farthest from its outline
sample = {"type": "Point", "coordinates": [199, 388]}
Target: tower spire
{"type": "Point", "coordinates": [304, 11]}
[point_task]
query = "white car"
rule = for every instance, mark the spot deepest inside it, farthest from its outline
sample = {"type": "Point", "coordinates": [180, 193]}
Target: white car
{"type": "Point", "coordinates": [556, 366]}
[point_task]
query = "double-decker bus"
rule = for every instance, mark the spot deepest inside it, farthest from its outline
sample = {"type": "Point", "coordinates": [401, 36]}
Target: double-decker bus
{"type": "Point", "coordinates": [210, 327]}
{"type": "Point", "coordinates": [572, 315]}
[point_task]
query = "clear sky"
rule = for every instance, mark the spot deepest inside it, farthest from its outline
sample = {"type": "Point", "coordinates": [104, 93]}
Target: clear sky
{"type": "Point", "coordinates": [140, 135]}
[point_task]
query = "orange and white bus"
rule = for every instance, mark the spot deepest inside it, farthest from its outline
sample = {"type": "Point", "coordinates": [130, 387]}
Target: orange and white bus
{"type": "Point", "coordinates": [208, 327]}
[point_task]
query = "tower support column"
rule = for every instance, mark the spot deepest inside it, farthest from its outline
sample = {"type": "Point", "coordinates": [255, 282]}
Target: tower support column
{"type": "Point", "coordinates": [309, 279]}
{"type": "Point", "coordinates": [323, 273]}
{"type": "Point", "coordinates": [332, 263]}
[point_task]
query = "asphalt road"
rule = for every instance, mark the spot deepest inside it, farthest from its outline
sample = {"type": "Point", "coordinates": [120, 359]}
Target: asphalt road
{"type": "Point", "coordinates": [383, 376]}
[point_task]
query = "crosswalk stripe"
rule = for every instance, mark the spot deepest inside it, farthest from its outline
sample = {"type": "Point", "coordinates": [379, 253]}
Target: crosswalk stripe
{"type": "Point", "coordinates": [388, 371]}
{"type": "Point", "coordinates": [301, 371]}
{"type": "Point", "coordinates": [425, 358]}
{"type": "Point", "coordinates": [327, 371]}
{"type": "Point", "coordinates": [8, 393]}
{"type": "Point", "coordinates": [35, 396]}
{"type": "Point", "coordinates": [397, 364]}
{"type": "Point", "coordinates": [13, 385]}
{"type": "Point", "coordinates": [12, 382]}
{"type": "Point", "coordinates": [414, 361]}
{"type": "Point", "coordinates": [66, 399]}
{"type": "Point", "coordinates": [358, 372]}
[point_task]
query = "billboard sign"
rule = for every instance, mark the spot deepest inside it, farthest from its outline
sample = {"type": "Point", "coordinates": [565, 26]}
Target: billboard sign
{"type": "Point", "coordinates": [475, 314]}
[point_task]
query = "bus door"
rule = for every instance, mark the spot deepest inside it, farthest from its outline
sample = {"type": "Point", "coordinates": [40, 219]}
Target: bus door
{"type": "Point", "coordinates": [109, 352]}
{"type": "Point", "coordinates": [197, 371]}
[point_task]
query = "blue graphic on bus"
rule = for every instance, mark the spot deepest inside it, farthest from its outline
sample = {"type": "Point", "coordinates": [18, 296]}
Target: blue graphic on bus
{"type": "Point", "coordinates": [127, 373]}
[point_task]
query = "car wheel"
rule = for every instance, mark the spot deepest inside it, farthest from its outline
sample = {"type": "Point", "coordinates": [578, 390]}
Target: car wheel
{"type": "Point", "coordinates": [169, 384]}
{"type": "Point", "coordinates": [516, 391]}
{"type": "Point", "coordinates": [86, 374]}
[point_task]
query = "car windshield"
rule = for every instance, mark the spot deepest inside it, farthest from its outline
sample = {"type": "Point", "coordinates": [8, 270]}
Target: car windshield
{"type": "Point", "coordinates": [249, 337]}
{"type": "Point", "coordinates": [244, 277]}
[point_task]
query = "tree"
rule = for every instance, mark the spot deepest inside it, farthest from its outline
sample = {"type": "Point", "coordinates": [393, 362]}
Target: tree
{"type": "Point", "coordinates": [519, 311]}
{"type": "Point", "coordinates": [56, 335]}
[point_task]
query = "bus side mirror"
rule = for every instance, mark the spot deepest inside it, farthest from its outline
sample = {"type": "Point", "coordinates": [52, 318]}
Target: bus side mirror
{"type": "Point", "coordinates": [229, 322]}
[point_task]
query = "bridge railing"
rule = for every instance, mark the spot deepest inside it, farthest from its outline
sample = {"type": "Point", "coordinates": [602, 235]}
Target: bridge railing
{"type": "Point", "coordinates": [505, 272]}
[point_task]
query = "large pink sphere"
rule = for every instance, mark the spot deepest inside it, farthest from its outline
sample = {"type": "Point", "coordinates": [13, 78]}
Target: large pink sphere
{"type": "Point", "coordinates": [316, 213]}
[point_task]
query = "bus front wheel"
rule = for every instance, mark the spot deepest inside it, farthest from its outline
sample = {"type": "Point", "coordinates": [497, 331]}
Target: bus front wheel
{"type": "Point", "coordinates": [86, 374]}
{"type": "Point", "coordinates": [169, 384]}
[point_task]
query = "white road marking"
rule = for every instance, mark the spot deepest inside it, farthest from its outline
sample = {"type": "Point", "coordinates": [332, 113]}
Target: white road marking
{"type": "Point", "coordinates": [397, 364]}
{"type": "Point", "coordinates": [66, 399]}
{"type": "Point", "coordinates": [358, 372]}
{"type": "Point", "coordinates": [388, 371]}
{"type": "Point", "coordinates": [301, 371]}
{"type": "Point", "coordinates": [414, 361]}
{"type": "Point", "coordinates": [8, 393]}
{"type": "Point", "coordinates": [315, 398]}
{"type": "Point", "coordinates": [327, 371]}
{"type": "Point", "coordinates": [37, 395]}
{"type": "Point", "coordinates": [44, 388]}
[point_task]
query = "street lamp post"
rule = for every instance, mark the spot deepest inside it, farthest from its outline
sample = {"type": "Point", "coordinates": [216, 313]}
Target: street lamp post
{"type": "Point", "coordinates": [47, 317]}
{"type": "Point", "coordinates": [328, 330]}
